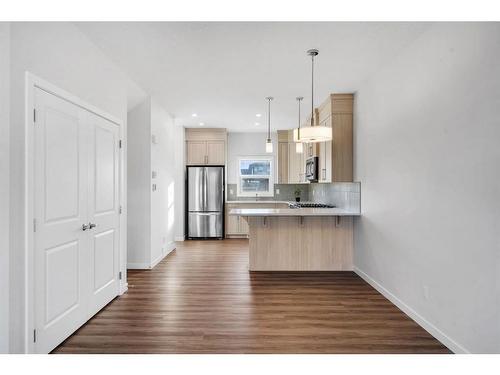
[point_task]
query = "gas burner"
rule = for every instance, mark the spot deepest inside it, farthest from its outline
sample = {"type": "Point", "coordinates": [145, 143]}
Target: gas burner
{"type": "Point", "coordinates": [309, 205]}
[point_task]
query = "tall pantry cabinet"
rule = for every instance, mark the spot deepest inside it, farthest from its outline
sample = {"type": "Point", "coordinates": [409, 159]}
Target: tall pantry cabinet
{"type": "Point", "coordinates": [150, 185]}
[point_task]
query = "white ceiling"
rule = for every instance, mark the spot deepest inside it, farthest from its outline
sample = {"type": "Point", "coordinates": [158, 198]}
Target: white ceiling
{"type": "Point", "coordinates": [223, 71]}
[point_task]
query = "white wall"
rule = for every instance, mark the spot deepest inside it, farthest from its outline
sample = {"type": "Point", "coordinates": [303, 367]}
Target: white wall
{"type": "Point", "coordinates": [247, 144]}
{"type": "Point", "coordinates": [139, 185]}
{"type": "Point", "coordinates": [4, 185]}
{"type": "Point", "coordinates": [427, 154]}
{"type": "Point", "coordinates": [62, 55]}
{"type": "Point", "coordinates": [180, 181]}
{"type": "Point", "coordinates": [151, 224]}
{"type": "Point", "coordinates": [163, 200]}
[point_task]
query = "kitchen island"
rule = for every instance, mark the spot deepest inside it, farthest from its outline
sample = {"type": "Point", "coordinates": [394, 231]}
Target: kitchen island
{"type": "Point", "coordinates": [299, 239]}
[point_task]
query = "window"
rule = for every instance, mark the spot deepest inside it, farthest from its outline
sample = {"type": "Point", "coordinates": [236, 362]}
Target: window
{"type": "Point", "coordinates": [255, 176]}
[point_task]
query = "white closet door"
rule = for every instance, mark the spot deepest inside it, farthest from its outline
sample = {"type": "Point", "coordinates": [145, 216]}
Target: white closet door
{"type": "Point", "coordinates": [103, 198]}
{"type": "Point", "coordinates": [61, 246]}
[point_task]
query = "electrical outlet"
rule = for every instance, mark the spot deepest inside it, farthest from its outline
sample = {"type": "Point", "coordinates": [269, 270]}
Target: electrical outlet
{"type": "Point", "coordinates": [277, 191]}
{"type": "Point", "coordinates": [231, 191]}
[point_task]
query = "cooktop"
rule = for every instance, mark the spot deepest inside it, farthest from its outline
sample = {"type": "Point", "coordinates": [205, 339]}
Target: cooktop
{"type": "Point", "coordinates": [309, 205]}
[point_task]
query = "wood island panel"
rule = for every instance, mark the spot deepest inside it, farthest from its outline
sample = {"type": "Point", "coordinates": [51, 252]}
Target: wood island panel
{"type": "Point", "coordinates": [301, 243]}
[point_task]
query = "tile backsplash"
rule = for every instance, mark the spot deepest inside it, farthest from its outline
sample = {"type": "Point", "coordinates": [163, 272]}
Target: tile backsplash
{"type": "Point", "coordinates": [346, 195]}
{"type": "Point", "coordinates": [282, 192]}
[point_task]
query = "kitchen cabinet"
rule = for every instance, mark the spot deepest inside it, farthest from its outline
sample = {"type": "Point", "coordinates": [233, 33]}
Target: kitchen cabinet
{"type": "Point", "coordinates": [216, 152]}
{"type": "Point", "coordinates": [282, 162]}
{"type": "Point", "coordinates": [196, 152]}
{"type": "Point", "coordinates": [237, 226]}
{"type": "Point", "coordinates": [325, 155]}
{"type": "Point", "coordinates": [206, 146]}
{"type": "Point", "coordinates": [296, 165]}
{"type": "Point", "coordinates": [336, 156]}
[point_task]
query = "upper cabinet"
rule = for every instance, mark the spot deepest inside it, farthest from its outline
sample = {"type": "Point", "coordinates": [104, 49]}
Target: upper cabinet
{"type": "Point", "coordinates": [206, 146]}
{"type": "Point", "coordinates": [335, 157]}
{"type": "Point", "coordinates": [282, 156]}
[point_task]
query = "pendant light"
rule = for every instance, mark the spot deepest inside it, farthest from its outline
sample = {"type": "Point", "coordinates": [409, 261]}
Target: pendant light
{"type": "Point", "coordinates": [312, 134]}
{"type": "Point", "coordinates": [299, 147]}
{"type": "Point", "coordinates": [269, 143]}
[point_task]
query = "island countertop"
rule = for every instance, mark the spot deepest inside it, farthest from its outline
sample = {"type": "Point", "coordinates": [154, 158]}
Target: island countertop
{"type": "Point", "coordinates": [264, 212]}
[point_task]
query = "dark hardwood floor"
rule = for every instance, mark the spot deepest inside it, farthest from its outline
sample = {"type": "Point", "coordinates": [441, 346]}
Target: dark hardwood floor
{"type": "Point", "coordinates": [202, 299]}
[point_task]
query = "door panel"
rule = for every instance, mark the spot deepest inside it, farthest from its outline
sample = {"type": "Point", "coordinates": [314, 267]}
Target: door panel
{"type": "Point", "coordinates": [61, 144]}
{"type": "Point", "coordinates": [63, 269]}
{"type": "Point", "coordinates": [103, 177]}
{"type": "Point", "coordinates": [105, 164]}
{"type": "Point", "coordinates": [104, 259]}
{"type": "Point", "coordinates": [60, 208]}
{"type": "Point", "coordinates": [196, 189]}
{"type": "Point", "coordinates": [214, 178]}
{"type": "Point", "coordinates": [196, 152]}
{"type": "Point", "coordinates": [216, 152]}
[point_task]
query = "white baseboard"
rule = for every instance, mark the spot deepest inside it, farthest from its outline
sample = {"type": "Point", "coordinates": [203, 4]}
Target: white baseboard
{"type": "Point", "coordinates": [168, 249]}
{"type": "Point", "coordinates": [180, 238]}
{"type": "Point", "coordinates": [429, 327]}
{"type": "Point", "coordinates": [123, 288]}
{"type": "Point", "coordinates": [147, 266]}
{"type": "Point", "coordinates": [138, 266]}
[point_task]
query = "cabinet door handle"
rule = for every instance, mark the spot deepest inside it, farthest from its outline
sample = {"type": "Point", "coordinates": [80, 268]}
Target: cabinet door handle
{"type": "Point", "coordinates": [85, 227]}
{"type": "Point", "coordinates": [92, 225]}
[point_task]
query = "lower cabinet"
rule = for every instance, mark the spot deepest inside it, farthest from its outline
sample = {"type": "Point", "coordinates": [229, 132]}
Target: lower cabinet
{"type": "Point", "coordinates": [237, 226]}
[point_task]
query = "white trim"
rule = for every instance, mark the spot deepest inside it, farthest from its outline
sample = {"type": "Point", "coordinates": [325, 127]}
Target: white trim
{"type": "Point", "coordinates": [138, 266]}
{"type": "Point", "coordinates": [147, 266]}
{"type": "Point", "coordinates": [123, 288]}
{"type": "Point", "coordinates": [420, 320]}
{"type": "Point", "coordinates": [180, 238]}
{"type": "Point", "coordinates": [168, 249]}
{"type": "Point", "coordinates": [32, 82]}
{"type": "Point", "coordinates": [171, 246]}
{"type": "Point", "coordinates": [269, 193]}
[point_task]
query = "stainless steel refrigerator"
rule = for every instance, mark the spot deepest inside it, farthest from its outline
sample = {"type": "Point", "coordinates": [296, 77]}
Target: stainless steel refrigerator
{"type": "Point", "coordinates": [205, 205]}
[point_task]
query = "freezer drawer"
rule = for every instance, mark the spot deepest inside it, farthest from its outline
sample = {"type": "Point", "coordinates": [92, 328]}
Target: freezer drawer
{"type": "Point", "coordinates": [205, 224]}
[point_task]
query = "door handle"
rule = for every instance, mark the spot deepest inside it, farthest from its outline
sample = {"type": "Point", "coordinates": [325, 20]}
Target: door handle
{"type": "Point", "coordinates": [85, 227]}
{"type": "Point", "coordinates": [92, 225]}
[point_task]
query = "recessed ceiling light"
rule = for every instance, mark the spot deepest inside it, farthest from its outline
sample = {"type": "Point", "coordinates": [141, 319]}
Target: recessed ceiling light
{"type": "Point", "coordinates": [202, 124]}
{"type": "Point", "coordinates": [194, 115]}
{"type": "Point", "coordinates": [258, 115]}
{"type": "Point", "coordinates": [257, 123]}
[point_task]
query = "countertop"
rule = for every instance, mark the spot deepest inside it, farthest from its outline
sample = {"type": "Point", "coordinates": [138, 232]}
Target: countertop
{"type": "Point", "coordinates": [292, 212]}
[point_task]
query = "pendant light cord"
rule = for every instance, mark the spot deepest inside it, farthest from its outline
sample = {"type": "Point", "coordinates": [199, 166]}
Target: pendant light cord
{"type": "Point", "coordinates": [269, 98]}
{"type": "Point", "coordinates": [299, 98]}
{"type": "Point", "coordinates": [312, 89]}
{"type": "Point", "coordinates": [268, 118]}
